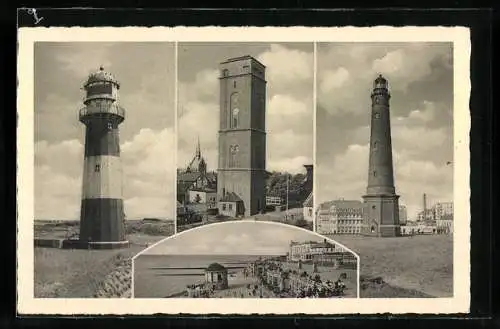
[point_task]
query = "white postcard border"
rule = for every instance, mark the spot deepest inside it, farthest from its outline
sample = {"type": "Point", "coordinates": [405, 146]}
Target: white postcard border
{"type": "Point", "coordinates": [27, 304]}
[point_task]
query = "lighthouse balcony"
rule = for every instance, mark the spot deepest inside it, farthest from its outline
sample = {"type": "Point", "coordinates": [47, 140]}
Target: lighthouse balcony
{"type": "Point", "coordinates": [101, 110]}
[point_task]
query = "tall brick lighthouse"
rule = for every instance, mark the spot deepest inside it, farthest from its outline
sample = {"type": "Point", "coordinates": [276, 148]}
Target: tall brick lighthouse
{"type": "Point", "coordinates": [102, 216]}
{"type": "Point", "coordinates": [381, 209]}
{"type": "Point", "coordinates": [242, 137]}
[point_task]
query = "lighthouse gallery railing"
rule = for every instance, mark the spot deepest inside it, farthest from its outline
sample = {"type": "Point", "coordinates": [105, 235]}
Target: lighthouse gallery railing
{"type": "Point", "coordinates": [112, 108]}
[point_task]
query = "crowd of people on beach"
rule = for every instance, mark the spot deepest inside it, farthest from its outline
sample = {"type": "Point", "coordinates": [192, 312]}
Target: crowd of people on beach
{"type": "Point", "coordinates": [271, 279]}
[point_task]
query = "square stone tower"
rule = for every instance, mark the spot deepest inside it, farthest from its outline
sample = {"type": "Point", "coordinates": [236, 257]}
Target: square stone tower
{"type": "Point", "coordinates": [242, 133]}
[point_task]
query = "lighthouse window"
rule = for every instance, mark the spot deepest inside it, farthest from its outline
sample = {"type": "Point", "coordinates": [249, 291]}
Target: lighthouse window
{"type": "Point", "coordinates": [377, 115]}
{"type": "Point", "coordinates": [97, 168]}
{"type": "Point", "coordinates": [110, 126]}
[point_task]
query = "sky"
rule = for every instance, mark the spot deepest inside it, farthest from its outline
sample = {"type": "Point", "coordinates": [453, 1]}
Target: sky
{"type": "Point", "coordinates": [289, 111]}
{"type": "Point", "coordinates": [235, 238]}
{"type": "Point", "coordinates": [420, 80]}
{"type": "Point", "coordinates": [146, 72]}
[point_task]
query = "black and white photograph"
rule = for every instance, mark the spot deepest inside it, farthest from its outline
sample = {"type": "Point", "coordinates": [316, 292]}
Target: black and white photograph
{"type": "Point", "coordinates": [246, 259]}
{"type": "Point", "coordinates": [245, 133]}
{"type": "Point", "coordinates": [104, 129]}
{"type": "Point", "coordinates": [228, 170]}
{"type": "Point", "coordinates": [385, 162]}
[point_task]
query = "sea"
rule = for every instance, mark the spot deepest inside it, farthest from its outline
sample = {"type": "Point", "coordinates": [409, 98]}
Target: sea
{"type": "Point", "coordinates": [162, 276]}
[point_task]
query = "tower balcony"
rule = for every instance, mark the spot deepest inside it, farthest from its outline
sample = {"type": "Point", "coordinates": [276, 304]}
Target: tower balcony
{"type": "Point", "coordinates": [102, 110]}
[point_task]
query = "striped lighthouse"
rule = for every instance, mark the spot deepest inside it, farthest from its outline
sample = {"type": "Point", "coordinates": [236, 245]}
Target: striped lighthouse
{"type": "Point", "coordinates": [102, 216]}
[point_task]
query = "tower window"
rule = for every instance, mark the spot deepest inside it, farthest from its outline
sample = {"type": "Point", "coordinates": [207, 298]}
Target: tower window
{"type": "Point", "coordinates": [235, 122]}
{"type": "Point", "coordinates": [375, 145]}
{"type": "Point", "coordinates": [374, 174]}
{"type": "Point", "coordinates": [97, 168]}
{"type": "Point", "coordinates": [377, 115]}
{"type": "Point", "coordinates": [233, 154]}
{"type": "Point", "coordinates": [234, 84]}
{"type": "Point", "coordinates": [110, 126]}
{"type": "Point", "coordinates": [373, 207]}
{"type": "Point", "coordinates": [225, 73]}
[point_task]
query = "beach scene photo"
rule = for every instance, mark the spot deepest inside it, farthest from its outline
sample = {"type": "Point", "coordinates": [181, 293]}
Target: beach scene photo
{"type": "Point", "coordinates": [246, 259]}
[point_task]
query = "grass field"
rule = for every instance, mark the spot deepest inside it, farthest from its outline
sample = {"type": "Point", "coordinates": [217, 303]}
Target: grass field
{"type": "Point", "coordinates": [67, 273]}
{"type": "Point", "coordinates": [419, 266]}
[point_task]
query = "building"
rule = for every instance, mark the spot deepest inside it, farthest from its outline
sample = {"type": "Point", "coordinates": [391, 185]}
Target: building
{"type": "Point", "coordinates": [403, 215]}
{"type": "Point", "coordinates": [308, 208]}
{"type": "Point", "coordinates": [340, 217]}
{"type": "Point", "coordinates": [381, 209]}
{"type": "Point", "coordinates": [242, 133]}
{"type": "Point", "coordinates": [427, 215]}
{"type": "Point", "coordinates": [418, 229]}
{"type": "Point", "coordinates": [195, 177]}
{"type": "Point", "coordinates": [323, 253]}
{"type": "Point", "coordinates": [216, 276]}
{"type": "Point", "coordinates": [205, 196]}
{"type": "Point", "coordinates": [306, 251]}
{"type": "Point", "coordinates": [231, 205]}
{"type": "Point", "coordinates": [273, 200]}
{"type": "Point", "coordinates": [102, 216]}
{"type": "Point", "coordinates": [443, 210]}
{"type": "Point", "coordinates": [444, 225]}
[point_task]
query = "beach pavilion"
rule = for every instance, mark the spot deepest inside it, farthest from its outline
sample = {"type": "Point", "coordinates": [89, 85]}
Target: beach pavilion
{"type": "Point", "coordinates": [216, 275]}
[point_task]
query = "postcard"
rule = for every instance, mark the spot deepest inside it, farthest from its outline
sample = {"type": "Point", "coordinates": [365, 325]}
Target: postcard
{"type": "Point", "coordinates": [243, 170]}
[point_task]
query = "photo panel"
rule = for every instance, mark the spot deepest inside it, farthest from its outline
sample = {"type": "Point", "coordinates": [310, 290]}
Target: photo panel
{"type": "Point", "coordinates": [385, 162]}
{"type": "Point", "coordinates": [104, 130]}
{"type": "Point", "coordinates": [245, 133]}
{"type": "Point", "coordinates": [246, 259]}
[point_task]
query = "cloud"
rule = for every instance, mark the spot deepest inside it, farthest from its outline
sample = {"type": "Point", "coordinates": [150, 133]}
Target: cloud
{"type": "Point", "coordinates": [346, 71]}
{"type": "Point", "coordinates": [332, 80]}
{"type": "Point", "coordinates": [147, 135]}
{"type": "Point", "coordinates": [243, 237]}
{"type": "Point", "coordinates": [284, 78]}
{"type": "Point", "coordinates": [425, 114]}
{"type": "Point", "coordinates": [347, 173]}
{"type": "Point", "coordinates": [53, 197]}
{"type": "Point", "coordinates": [410, 63]}
{"type": "Point", "coordinates": [82, 58]}
{"type": "Point", "coordinates": [148, 176]}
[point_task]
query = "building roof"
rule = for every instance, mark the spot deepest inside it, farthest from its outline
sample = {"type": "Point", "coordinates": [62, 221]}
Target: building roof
{"type": "Point", "coordinates": [188, 176]}
{"type": "Point", "coordinates": [101, 76]}
{"type": "Point", "coordinates": [341, 204]}
{"type": "Point", "coordinates": [309, 200]}
{"type": "Point", "coordinates": [322, 245]}
{"type": "Point", "coordinates": [215, 267]}
{"type": "Point", "coordinates": [231, 197]}
{"type": "Point", "coordinates": [203, 189]}
{"type": "Point", "coordinates": [235, 59]}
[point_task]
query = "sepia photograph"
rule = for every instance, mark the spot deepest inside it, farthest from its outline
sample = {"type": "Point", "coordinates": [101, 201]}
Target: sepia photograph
{"type": "Point", "coordinates": [103, 178]}
{"type": "Point", "coordinates": [246, 259]}
{"type": "Point", "coordinates": [292, 170]}
{"type": "Point", "coordinates": [385, 162]}
{"type": "Point", "coordinates": [245, 133]}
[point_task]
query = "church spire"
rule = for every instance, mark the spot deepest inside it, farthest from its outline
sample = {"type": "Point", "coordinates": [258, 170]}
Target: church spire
{"type": "Point", "coordinates": [198, 149]}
